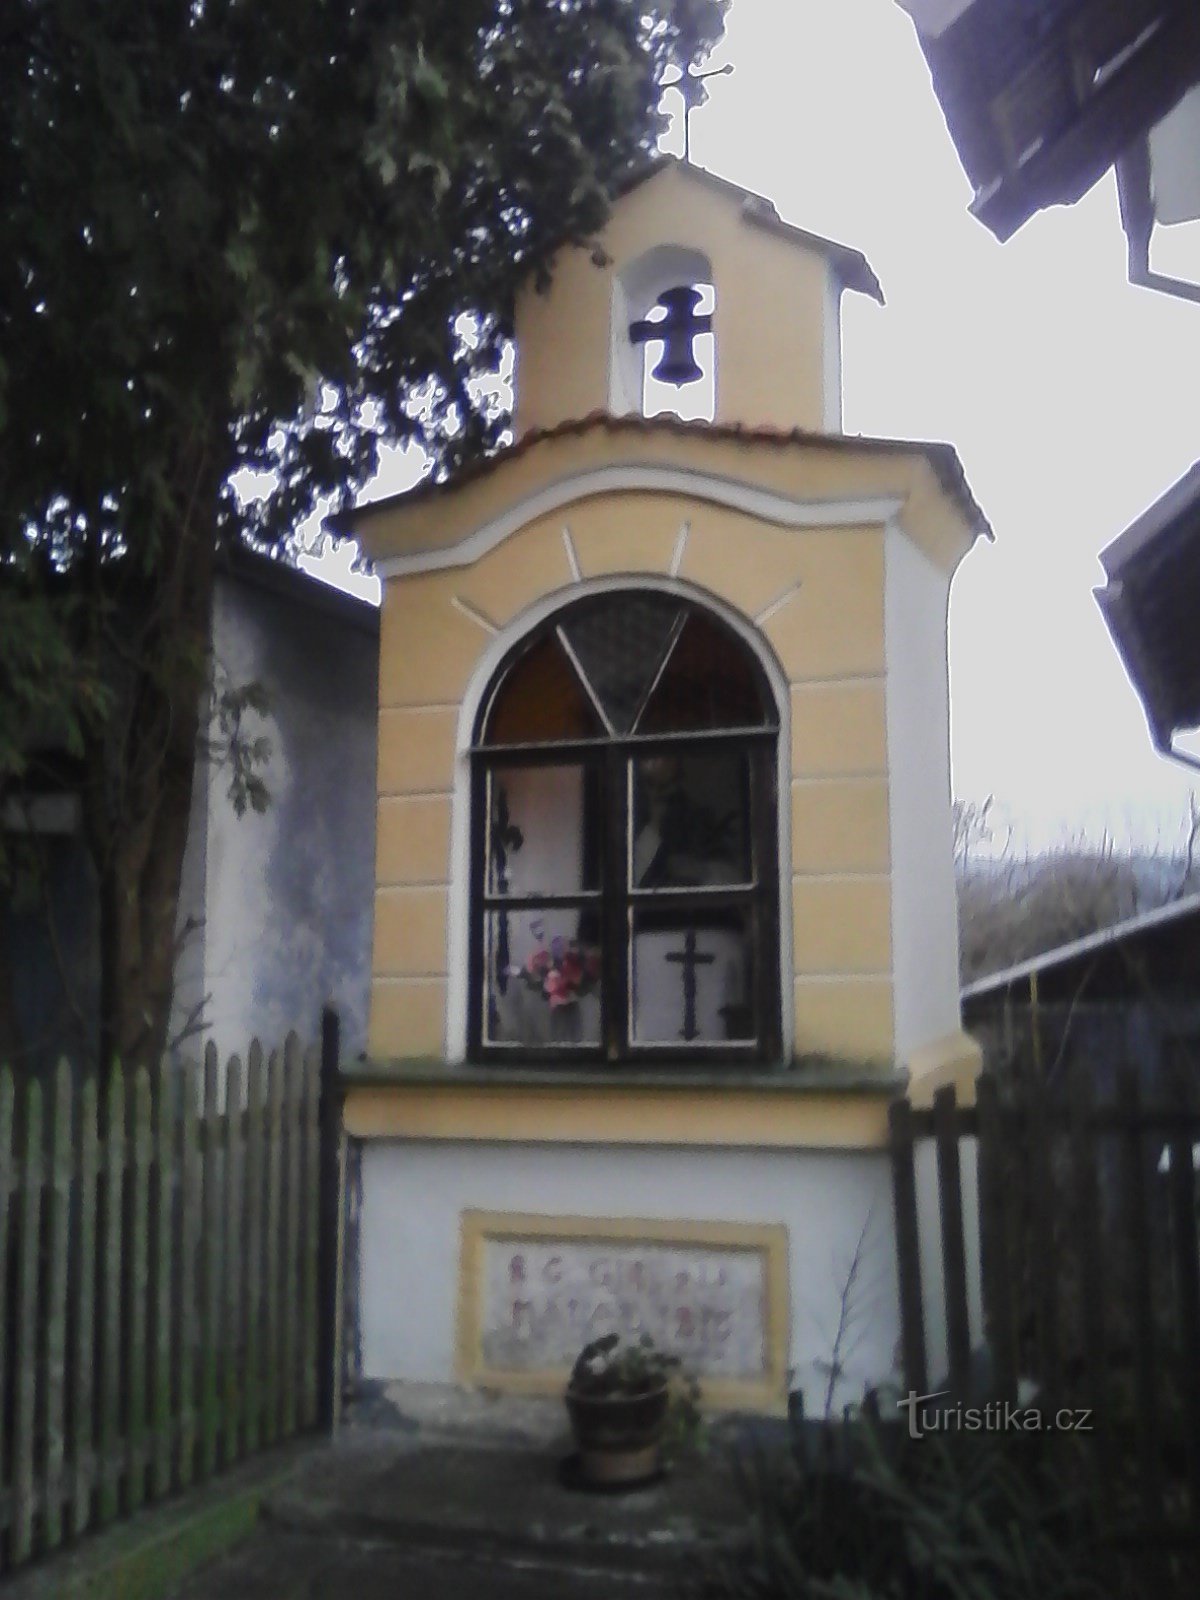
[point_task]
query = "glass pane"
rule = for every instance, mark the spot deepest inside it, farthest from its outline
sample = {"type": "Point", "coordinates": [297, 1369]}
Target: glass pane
{"type": "Point", "coordinates": [541, 978]}
{"type": "Point", "coordinates": [540, 699]}
{"type": "Point", "coordinates": [691, 820]}
{"type": "Point", "coordinates": [543, 830]}
{"type": "Point", "coordinates": [692, 976]}
{"type": "Point", "coordinates": [620, 643]}
{"type": "Point", "coordinates": [710, 681]}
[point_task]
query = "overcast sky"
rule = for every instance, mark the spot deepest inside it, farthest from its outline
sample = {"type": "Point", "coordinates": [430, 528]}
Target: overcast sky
{"type": "Point", "coordinates": [1067, 392]}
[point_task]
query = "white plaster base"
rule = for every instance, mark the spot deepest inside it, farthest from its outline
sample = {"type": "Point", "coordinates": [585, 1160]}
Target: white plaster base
{"type": "Point", "coordinates": [413, 1194]}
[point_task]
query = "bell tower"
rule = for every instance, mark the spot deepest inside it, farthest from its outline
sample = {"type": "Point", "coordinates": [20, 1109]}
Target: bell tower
{"type": "Point", "coordinates": [705, 303]}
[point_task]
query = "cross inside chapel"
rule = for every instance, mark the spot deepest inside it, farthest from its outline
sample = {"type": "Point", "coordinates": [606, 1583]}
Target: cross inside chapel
{"type": "Point", "coordinates": [689, 958]}
{"type": "Point", "coordinates": [677, 332]}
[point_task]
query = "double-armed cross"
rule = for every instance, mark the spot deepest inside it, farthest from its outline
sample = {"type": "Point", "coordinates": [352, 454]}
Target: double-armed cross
{"type": "Point", "coordinates": [689, 958]}
{"type": "Point", "coordinates": [677, 332]}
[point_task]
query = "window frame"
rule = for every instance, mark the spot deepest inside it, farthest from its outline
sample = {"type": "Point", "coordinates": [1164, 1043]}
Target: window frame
{"type": "Point", "coordinates": [615, 898]}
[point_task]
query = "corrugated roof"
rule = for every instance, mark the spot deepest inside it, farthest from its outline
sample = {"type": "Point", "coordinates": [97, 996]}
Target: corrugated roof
{"type": "Point", "coordinates": [942, 457]}
{"type": "Point", "coordinates": [1091, 944]}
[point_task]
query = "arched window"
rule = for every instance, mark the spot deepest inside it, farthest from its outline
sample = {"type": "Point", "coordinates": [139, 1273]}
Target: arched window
{"type": "Point", "coordinates": [625, 876]}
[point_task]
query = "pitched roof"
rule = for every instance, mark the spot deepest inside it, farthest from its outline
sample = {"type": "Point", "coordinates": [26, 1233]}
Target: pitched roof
{"type": "Point", "coordinates": [852, 267]}
{"type": "Point", "coordinates": [1041, 97]}
{"type": "Point", "coordinates": [943, 458]}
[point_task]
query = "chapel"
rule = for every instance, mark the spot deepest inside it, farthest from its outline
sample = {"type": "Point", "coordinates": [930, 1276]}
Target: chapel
{"type": "Point", "coordinates": [664, 907]}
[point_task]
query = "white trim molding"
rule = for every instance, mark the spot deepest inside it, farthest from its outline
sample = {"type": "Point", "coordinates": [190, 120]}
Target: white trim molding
{"type": "Point", "coordinates": [458, 922]}
{"type": "Point", "coordinates": [767, 505]}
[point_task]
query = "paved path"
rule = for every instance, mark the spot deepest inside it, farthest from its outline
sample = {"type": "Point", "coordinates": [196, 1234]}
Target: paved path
{"type": "Point", "coordinates": [279, 1565]}
{"type": "Point", "coordinates": [431, 1495]}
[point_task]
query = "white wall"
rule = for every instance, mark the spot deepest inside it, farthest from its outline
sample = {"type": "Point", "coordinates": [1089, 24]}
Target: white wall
{"type": "Point", "coordinates": [924, 908]}
{"type": "Point", "coordinates": [413, 1194]}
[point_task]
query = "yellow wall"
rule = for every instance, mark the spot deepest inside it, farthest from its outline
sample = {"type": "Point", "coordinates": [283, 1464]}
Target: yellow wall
{"type": "Point", "coordinates": [770, 297]}
{"type": "Point", "coordinates": [828, 637]}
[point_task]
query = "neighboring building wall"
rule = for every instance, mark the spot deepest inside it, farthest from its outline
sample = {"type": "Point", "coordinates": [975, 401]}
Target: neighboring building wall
{"type": "Point", "coordinates": [827, 635]}
{"type": "Point", "coordinates": [285, 897]}
{"type": "Point", "coordinates": [413, 1195]}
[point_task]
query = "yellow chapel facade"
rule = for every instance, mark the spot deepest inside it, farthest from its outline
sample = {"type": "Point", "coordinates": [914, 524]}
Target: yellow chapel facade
{"type": "Point", "coordinates": [665, 906]}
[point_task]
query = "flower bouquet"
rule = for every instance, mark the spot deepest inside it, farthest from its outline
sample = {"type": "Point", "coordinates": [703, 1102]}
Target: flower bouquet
{"type": "Point", "coordinates": [559, 975]}
{"type": "Point", "coordinates": [563, 973]}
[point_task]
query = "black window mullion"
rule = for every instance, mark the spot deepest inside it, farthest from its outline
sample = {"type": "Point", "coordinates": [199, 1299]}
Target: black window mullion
{"type": "Point", "coordinates": [764, 810]}
{"type": "Point", "coordinates": [576, 901]}
{"type": "Point", "coordinates": [615, 916]}
{"type": "Point", "coordinates": [478, 990]}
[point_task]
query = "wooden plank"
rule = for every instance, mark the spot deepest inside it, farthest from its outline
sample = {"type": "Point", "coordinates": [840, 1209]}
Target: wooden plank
{"type": "Point", "coordinates": [908, 1246]}
{"type": "Point", "coordinates": [138, 1293]}
{"type": "Point", "coordinates": [292, 1085]}
{"type": "Point", "coordinates": [163, 1261]}
{"type": "Point", "coordinates": [58, 1243]}
{"type": "Point", "coordinates": [1042, 1243]}
{"type": "Point", "coordinates": [273, 1228]}
{"type": "Point", "coordinates": [7, 1180]}
{"type": "Point", "coordinates": [329, 1227]}
{"type": "Point", "coordinates": [108, 1445]}
{"type": "Point", "coordinates": [994, 1241]}
{"type": "Point", "coordinates": [1186, 1247]}
{"type": "Point", "coordinates": [255, 1100]}
{"type": "Point", "coordinates": [311, 1193]}
{"type": "Point", "coordinates": [187, 1312]}
{"type": "Point", "coordinates": [210, 1314]}
{"type": "Point", "coordinates": [83, 1299]}
{"type": "Point", "coordinates": [954, 1250]}
{"type": "Point", "coordinates": [1093, 1323]}
{"type": "Point", "coordinates": [27, 1355]}
{"type": "Point", "coordinates": [1138, 1244]}
{"type": "Point", "coordinates": [235, 1212]}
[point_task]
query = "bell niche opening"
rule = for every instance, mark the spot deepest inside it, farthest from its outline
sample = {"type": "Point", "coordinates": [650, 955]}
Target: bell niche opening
{"type": "Point", "coordinates": [663, 356]}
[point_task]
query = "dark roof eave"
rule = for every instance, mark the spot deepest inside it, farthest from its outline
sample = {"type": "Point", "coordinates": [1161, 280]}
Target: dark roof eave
{"type": "Point", "coordinates": [1065, 163]}
{"type": "Point", "coordinates": [1136, 659]}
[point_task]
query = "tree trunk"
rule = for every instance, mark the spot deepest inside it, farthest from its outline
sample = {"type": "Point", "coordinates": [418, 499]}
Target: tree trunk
{"type": "Point", "coordinates": [139, 788]}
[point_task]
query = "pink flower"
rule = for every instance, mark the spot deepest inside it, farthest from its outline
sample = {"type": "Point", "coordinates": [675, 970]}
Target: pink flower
{"type": "Point", "coordinates": [557, 989]}
{"type": "Point", "coordinates": [591, 965]}
{"type": "Point", "coordinates": [572, 968]}
{"type": "Point", "coordinates": [539, 962]}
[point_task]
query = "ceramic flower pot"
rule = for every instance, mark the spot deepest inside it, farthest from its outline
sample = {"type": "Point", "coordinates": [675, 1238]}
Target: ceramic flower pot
{"type": "Point", "coordinates": [618, 1436]}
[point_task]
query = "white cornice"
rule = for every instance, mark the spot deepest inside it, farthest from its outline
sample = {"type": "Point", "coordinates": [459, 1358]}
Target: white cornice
{"type": "Point", "coordinates": [632, 478]}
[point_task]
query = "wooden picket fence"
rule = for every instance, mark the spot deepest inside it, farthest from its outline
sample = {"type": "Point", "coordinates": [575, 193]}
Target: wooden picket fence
{"type": "Point", "coordinates": [1090, 1273]}
{"type": "Point", "coordinates": [159, 1243]}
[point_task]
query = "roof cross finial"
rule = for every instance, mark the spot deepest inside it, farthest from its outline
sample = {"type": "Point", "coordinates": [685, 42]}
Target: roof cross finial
{"type": "Point", "coordinates": [691, 91]}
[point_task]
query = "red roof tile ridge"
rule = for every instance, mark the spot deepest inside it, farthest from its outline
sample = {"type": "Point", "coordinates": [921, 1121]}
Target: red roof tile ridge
{"type": "Point", "coordinates": [943, 456]}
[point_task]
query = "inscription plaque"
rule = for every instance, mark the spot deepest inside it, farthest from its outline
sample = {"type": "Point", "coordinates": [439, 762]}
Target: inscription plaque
{"type": "Point", "coordinates": [542, 1298]}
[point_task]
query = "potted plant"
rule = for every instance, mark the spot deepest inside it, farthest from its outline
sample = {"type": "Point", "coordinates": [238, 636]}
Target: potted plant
{"type": "Point", "coordinates": [621, 1397]}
